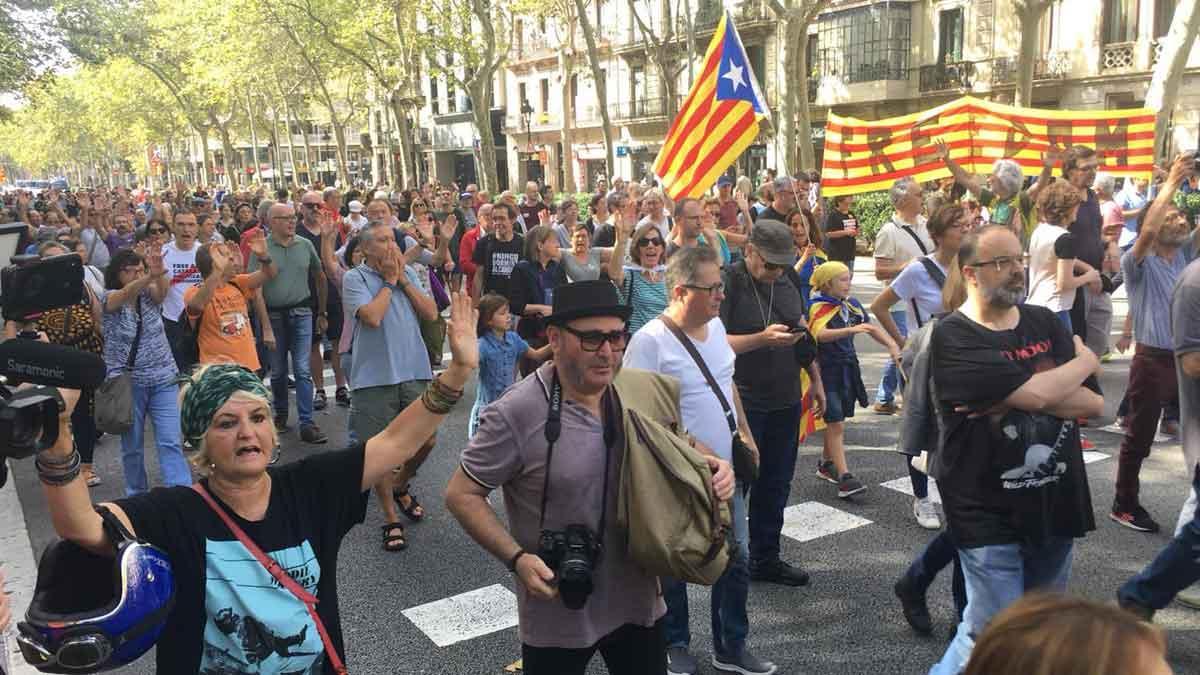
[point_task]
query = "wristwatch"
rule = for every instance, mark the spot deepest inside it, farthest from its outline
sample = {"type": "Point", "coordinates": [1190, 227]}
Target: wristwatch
{"type": "Point", "coordinates": [265, 260]}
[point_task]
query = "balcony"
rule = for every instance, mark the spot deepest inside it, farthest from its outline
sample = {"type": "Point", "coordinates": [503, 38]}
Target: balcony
{"type": "Point", "coordinates": [709, 15]}
{"type": "Point", "coordinates": [1053, 67]}
{"type": "Point", "coordinates": [951, 76]}
{"type": "Point", "coordinates": [641, 110]}
{"type": "Point", "coordinates": [1117, 56]}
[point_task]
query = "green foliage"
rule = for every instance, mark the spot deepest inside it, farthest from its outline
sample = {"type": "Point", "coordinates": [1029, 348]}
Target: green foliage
{"type": "Point", "coordinates": [1189, 204]}
{"type": "Point", "coordinates": [873, 209]}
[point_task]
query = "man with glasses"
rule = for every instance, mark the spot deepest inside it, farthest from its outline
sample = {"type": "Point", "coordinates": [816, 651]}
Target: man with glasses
{"type": "Point", "coordinates": [1079, 169]}
{"type": "Point", "coordinates": [696, 291]}
{"type": "Point", "coordinates": [1009, 385]}
{"type": "Point", "coordinates": [688, 229]}
{"type": "Point", "coordinates": [509, 451]}
{"type": "Point", "coordinates": [314, 209]}
{"type": "Point", "coordinates": [764, 315]}
{"type": "Point", "coordinates": [497, 254]}
{"type": "Point", "coordinates": [290, 308]}
{"type": "Point", "coordinates": [783, 201]}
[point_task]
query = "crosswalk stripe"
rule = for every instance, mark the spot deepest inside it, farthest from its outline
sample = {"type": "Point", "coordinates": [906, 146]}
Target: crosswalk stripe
{"type": "Point", "coordinates": [465, 616]}
{"type": "Point", "coordinates": [904, 484]}
{"type": "Point", "coordinates": [812, 520]}
{"type": "Point", "coordinates": [1090, 456]}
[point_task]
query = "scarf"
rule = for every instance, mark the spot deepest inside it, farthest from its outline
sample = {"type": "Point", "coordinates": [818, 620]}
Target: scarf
{"type": "Point", "coordinates": [209, 391]}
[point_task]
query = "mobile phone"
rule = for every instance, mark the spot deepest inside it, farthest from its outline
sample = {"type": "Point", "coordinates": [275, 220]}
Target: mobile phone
{"type": "Point", "coordinates": [797, 328]}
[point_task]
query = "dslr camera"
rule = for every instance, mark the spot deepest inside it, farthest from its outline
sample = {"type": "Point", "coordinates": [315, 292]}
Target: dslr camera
{"type": "Point", "coordinates": [572, 554]}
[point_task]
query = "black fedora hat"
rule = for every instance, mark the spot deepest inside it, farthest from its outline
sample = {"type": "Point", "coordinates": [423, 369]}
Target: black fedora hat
{"type": "Point", "coordinates": [584, 299]}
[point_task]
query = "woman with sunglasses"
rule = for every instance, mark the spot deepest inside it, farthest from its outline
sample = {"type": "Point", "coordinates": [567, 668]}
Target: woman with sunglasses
{"type": "Point", "coordinates": [229, 613]}
{"type": "Point", "coordinates": [642, 283]}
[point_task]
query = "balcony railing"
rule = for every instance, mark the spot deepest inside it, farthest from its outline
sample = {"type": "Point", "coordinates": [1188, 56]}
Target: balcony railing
{"type": "Point", "coordinates": [1053, 67]}
{"type": "Point", "coordinates": [643, 108]}
{"type": "Point", "coordinates": [952, 76]}
{"type": "Point", "coordinates": [709, 14]}
{"type": "Point", "coordinates": [1117, 56]}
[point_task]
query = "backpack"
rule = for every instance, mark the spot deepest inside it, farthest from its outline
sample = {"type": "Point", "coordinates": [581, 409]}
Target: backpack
{"type": "Point", "coordinates": [675, 526]}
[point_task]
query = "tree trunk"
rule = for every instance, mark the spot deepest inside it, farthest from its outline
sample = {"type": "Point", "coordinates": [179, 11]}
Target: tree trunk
{"type": "Point", "coordinates": [227, 148]}
{"type": "Point", "coordinates": [408, 168]}
{"type": "Point", "coordinates": [481, 106]}
{"type": "Point", "coordinates": [1168, 73]}
{"type": "Point", "coordinates": [339, 135]}
{"type": "Point", "coordinates": [1029, 14]}
{"type": "Point", "coordinates": [276, 162]}
{"type": "Point", "coordinates": [307, 155]}
{"type": "Point", "coordinates": [289, 119]}
{"type": "Point", "coordinates": [254, 162]}
{"type": "Point", "coordinates": [589, 37]}
{"type": "Point", "coordinates": [808, 155]}
{"type": "Point", "coordinates": [690, 27]}
{"type": "Point", "coordinates": [205, 165]}
{"type": "Point", "coordinates": [791, 67]}
{"type": "Point", "coordinates": [567, 135]}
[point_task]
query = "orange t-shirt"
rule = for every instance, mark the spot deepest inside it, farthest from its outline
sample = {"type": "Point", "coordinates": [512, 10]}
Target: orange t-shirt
{"type": "Point", "coordinates": [224, 332]}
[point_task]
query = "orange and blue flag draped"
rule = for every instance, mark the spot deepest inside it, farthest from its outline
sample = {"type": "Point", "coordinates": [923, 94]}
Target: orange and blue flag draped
{"type": "Point", "coordinates": [718, 120]}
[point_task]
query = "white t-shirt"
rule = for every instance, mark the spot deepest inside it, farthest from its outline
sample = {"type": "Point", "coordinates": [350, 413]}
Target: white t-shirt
{"type": "Point", "coordinates": [182, 273]}
{"type": "Point", "coordinates": [656, 348]}
{"type": "Point", "coordinates": [915, 283]}
{"type": "Point", "coordinates": [1043, 269]}
{"type": "Point", "coordinates": [98, 255]}
{"type": "Point", "coordinates": [355, 224]}
{"type": "Point", "coordinates": [896, 244]}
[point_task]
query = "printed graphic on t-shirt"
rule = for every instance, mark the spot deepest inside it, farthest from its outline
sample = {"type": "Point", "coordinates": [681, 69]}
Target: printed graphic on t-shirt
{"type": "Point", "coordinates": [255, 625]}
{"type": "Point", "coordinates": [233, 323]}
{"type": "Point", "coordinates": [504, 263]}
{"type": "Point", "coordinates": [1042, 462]}
{"type": "Point", "coordinates": [183, 273]}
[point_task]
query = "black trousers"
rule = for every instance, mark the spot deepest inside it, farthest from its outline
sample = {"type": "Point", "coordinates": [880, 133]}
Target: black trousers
{"type": "Point", "coordinates": [628, 650]}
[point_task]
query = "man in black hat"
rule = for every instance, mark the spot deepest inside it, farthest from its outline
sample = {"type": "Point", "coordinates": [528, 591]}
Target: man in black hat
{"type": "Point", "coordinates": [621, 616]}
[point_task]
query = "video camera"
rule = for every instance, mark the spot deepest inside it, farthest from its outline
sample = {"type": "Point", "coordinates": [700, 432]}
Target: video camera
{"type": "Point", "coordinates": [29, 416]}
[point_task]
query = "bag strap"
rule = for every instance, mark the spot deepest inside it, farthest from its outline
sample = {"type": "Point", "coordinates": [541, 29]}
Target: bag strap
{"type": "Point", "coordinates": [285, 580]}
{"type": "Point", "coordinates": [708, 376]}
{"type": "Point", "coordinates": [911, 233]}
{"type": "Point", "coordinates": [935, 272]}
{"type": "Point", "coordinates": [137, 335]}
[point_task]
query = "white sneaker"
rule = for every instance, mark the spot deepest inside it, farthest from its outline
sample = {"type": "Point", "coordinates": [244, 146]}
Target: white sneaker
{"type": "Point", "coordinates": [1189, 597]}
{"type": "Point", "coordinates": [926, 514]}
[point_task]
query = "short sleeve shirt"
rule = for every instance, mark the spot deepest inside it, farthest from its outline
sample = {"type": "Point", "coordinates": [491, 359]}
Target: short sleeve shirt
{"type": "Point", "coordinates": [223, 331]}
{"type": "Point", "coordinates": [508, 452]}
{"type": "Point", "coordinates": [1185, 324]}
{"type": "Point", "coordinates": [294, 265]}
{"type": "Point", "coordinates": [1150, 283]}
{"type": "Point", "coordinates": [182, 274]}
{"type": "Point", "coordinates": [496, 260]}
{"type": "Point", "coordinates": [394, 352]}
{"type": "Point", "coordinates": [895, 242]}
{"type": "Point", "coordinates": [914, 284]}
{"type": "Point", "coordinates": [153, 363]}
{"type": "Point", "coordinates": [498, 362]}
{"type": "Point", "coordinates": [230, 615]}
{"type": "Point", "coordinates": [767, 378]}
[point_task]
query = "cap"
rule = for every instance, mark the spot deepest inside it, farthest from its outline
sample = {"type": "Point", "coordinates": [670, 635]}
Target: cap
{"type": "Point", "coordinates": [466, 195]}
{"type": "Point", "coordinates": [773, 241]}
{"type": "Point", "coordinates": [356, 206]}
{"type": "Point", "coordinates": [587, 298]}
{"type": "Point", "coordinates": [724, 180]}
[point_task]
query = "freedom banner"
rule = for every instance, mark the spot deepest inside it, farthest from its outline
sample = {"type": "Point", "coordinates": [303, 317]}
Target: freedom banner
{"type": "Point", "coordinates": [863, 156]}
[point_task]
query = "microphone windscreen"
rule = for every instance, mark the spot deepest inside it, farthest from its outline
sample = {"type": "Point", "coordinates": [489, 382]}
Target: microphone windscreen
{"type": "Point", "coordinates": [49, 364]}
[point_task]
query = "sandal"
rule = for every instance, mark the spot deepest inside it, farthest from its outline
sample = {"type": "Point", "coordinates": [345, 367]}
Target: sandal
{"type": "Point", "coordinates": [414, 512]}
{"type": "Point", "coordinates": [393, 543]}
{"type": "Point", "coordinates": [90, 477]}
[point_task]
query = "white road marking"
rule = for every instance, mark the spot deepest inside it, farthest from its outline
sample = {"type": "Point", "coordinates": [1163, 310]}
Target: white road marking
{"type": "Point", "coordinates": [466, 616]}
{"type": "Point", "coordinates": [1090, 456]}
{"type": "Point", "coordinates": [812, 520]}
{"type": "Point", "coordinates": [904, 484]}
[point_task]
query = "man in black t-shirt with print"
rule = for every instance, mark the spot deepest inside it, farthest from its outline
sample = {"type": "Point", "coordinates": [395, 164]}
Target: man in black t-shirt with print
{"type": "Point", "coordinates": [1008, 387]}
{"type": "Point", "coordinates": [497, 254]}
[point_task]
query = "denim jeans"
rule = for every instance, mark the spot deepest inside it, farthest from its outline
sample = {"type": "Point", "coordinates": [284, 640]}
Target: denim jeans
{"type": "Point", "coordinates": [730, 624]}
{"type": "Point", "coordinates": [776, 433]}
{"type": "Point", "coordinates": [938, 553]}
{"type": "Point", "coordinates": [1176, 567]}
{"type": "Point", "coordinates": [293, 334]}
{"type": "Point", "coordinates": [159, 403]}
{"type": "Point", "coordinates": [997, 576]}
{"type": "Point", "coordinates": [891, 377]}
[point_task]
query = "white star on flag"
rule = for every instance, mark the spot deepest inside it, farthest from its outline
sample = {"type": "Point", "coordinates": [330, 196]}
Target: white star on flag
{"type": "Point", "coordinates": [734, 75]}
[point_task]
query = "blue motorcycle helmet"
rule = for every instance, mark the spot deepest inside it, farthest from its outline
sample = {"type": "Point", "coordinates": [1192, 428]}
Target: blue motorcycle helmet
{"type": "Point", "coordinates": [92, 613]}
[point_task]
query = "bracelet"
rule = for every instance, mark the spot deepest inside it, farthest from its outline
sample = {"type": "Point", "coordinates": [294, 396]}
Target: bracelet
{"type": "Point", "coordinates": [512, 562]}
{"type": "Point", "coordinates": [439, 398]}
{"type": "Point", "coordinates": [54, 474]}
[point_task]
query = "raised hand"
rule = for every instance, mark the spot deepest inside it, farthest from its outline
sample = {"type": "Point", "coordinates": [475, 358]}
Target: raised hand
{"type": "Point", "coordinates": [1182, 167]}
{"type": "Point", "coordinates": [941, 150]}
{"type": "Point", "coordinates": [448, 227]}
{"type": "Point", "coordinates": [1052, 156]}
{"type": "Point", "coordinates": [325, 222]}
{"type": "Point", "coordinates": [544, 217]}
{"type": "Point", "coordinates": [258, 241]}
{"type": "Point", "coordinates": [220, 260]}
{"type": "Point", "coordinates": [460, 331]}
{"type": "Point", "coordinates": [743, 203]}
{"type": "Point", "coordinates": [154, 260]}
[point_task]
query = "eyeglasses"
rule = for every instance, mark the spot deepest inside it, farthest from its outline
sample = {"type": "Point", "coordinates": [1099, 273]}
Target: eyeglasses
{"type": "Point", "coordinates": [592, 340]}
{"type": "Point", "coordinates": [156, 230]}
{"type": "Point", "coordinates": [718, 287]}
{"type": "Point", "coordinates": [1000, 262]}
{"type": "Point", "coordinates": [310, 205]}
{"type": "Point", "coordinates": [646, 241]}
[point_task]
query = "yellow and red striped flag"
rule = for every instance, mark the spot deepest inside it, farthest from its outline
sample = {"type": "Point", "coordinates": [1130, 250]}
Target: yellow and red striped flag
{"type": "Point", "coordinates": [717, 121]}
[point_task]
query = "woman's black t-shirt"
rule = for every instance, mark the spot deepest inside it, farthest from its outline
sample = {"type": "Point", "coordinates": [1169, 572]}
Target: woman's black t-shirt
{"type": "Point", "coordinates": [1019, 477]}
{"type": "Point", "coordinates": [230, 614]}
{"type": "Point", "coordinates": [841, 249]}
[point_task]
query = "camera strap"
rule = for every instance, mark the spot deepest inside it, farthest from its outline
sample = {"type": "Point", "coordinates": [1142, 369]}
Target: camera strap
{"type": "Point", "coordinates": [553, 430]}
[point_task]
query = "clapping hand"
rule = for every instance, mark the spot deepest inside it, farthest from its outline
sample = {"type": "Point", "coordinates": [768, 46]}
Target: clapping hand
{"type": "Point", "coordinates": [392, 264]}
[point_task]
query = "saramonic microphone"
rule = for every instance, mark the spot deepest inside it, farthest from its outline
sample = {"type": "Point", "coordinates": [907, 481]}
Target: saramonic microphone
{"type": "Point", "coordinates": [49, 364]}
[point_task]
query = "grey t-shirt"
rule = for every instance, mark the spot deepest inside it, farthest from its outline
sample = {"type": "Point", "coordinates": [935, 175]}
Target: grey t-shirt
{"type": "Point", "coordinates": [1185, 323]}
{"type": "Point", "coordinates": [1149, 285]}
{"type": "Point", "coordinates": [508, 451]}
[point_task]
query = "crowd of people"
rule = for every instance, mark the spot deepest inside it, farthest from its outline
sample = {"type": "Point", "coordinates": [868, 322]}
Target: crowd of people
{"type": "Point", "coordinates": [995, 314]}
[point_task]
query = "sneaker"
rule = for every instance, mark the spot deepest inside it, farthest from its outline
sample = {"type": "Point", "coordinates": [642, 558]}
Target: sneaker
{"type": "Point", "coordinates": [312, 434]}
{"type": "Point", "coordinates": [680, 662]}
{"type": "Point", "coordinates": [916, 612]}
{"type": "Point", "coordinates": [1169, 428]}
{"type": "Point", "coordinates": [342, 396]}
{"type": "Point", "coordinates": [926, 514]}
{"type": "Point", "coordinates": [744, 663]}
{"type": "Point", "coordinates": [1140, 611]}
{"type": "Point", "coordinates": [319, 400]}
{"type": "Point", "coordinates": [778, 572]}
{"type": "Point", "coordinates": [1085, 444]}
{"type": "Point", "coordinates": [1135, 519]}
{"type": "Point", "coordinates": [1122, 422]}
{"type": "Point", "coordinates": [826, 472]}
{"type": "Point", "coordinates": [849, 485]}
{"type": "Point", "coordinates": [889, 408]}
{"type": "Point", "coordinates": [281, 423]}
{"type": "Point", "coordinates": [1189, 597]}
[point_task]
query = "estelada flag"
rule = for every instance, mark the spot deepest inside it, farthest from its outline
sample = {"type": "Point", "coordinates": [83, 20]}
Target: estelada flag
{"type": "Point", "coordinates": [718, 120]}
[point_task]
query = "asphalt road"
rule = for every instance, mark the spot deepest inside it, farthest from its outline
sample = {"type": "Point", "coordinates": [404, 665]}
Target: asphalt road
{"type": "Point", "coordinates": [846, 621]}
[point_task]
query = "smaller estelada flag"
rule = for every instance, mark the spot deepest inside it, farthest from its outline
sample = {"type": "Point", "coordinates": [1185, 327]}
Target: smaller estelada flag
{"type": "Point", "coordinates": [718, 120]}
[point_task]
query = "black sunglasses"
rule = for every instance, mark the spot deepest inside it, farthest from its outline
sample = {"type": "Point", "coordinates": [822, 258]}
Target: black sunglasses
{"type": "Point", "coordinates": [592, 340]}
{"type": "Point", "coordinates": [646, 241]}
{"type": "Point", "coordinates": [156, 230]}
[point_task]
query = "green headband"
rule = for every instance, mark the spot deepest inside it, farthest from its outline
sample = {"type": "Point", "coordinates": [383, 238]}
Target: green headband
{"type": "Point", "coordinates": [209, 392]}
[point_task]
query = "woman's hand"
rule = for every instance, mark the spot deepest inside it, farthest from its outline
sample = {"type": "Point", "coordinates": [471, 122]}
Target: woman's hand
{"type": "Point", "coordinates": [154, 260]}
{"type": "Point", "coordinates": [460, 333]}
{"type": "Point", "coordinates": [258, 242]}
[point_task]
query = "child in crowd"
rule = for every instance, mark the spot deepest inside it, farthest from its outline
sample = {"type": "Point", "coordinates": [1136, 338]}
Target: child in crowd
{"type": "Point", "coordinates": [809, 256]}
{"type": "Point", "coordinates": [834, 319]}
{"type": "Point", "coordinates": [499, 350]}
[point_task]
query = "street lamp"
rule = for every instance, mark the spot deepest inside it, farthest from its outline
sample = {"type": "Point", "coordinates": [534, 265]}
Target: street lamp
{"type": "Point", "coordinates": [526, 113]}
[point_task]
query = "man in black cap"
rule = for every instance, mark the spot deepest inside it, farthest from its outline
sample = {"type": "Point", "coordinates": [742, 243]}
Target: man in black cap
{"type": "Point", "coordinates": [764, 318]}
{"type": "Point", "coordinates": [621, 616]}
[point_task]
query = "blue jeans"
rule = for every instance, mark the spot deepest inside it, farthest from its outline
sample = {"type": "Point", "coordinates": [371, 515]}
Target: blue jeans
{"type": "Point", "coordinates": [293, 333]}
{"type": "Point", "coordinates": [730, 624]}
{"type": "Point", "coordinates": [891, 376]}
{"type": "Point", "coordinates": [938, 553]}
{"type": "Point", "coordinates": [1176, 567]}
{"type": "Point", "coordinates": [1065, 317]}
{"type": "Point", "coordinates": [997, 576]}
{"type": "Point", "coordinates": [776, 432]}
{"type": "Point", "coordinates": [160, 403]}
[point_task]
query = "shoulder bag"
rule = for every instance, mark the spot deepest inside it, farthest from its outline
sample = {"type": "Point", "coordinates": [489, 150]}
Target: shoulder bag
{"type": "Point", "coordinates": [309, 600]}
{"type": "Point", "coordinates": [745, 464]}
{"type": "Point", "coordinates": [114, 398]}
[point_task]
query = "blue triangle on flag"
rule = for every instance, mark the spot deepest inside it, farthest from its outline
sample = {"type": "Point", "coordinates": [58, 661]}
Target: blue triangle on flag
{"type": "Point", "coordinates": [735, 79]}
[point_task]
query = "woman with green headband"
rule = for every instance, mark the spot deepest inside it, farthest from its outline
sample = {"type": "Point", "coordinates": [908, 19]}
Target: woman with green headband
{"type": "Point", "coordinates": [230, 615]}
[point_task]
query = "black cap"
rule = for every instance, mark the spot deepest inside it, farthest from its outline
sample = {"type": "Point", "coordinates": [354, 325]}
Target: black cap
{"type": "Point", "coordinates": [584, 299]}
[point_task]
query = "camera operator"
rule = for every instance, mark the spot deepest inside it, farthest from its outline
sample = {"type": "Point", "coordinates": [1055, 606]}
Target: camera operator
{"type": "Point", "coordinates": [297, 514]}
{"type": "Point", "coordinates": [560, 631]}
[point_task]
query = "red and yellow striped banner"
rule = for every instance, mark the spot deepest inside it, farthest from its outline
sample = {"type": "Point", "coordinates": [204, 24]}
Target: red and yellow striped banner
{"type": "Point", "coordinates": [863, 156]}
